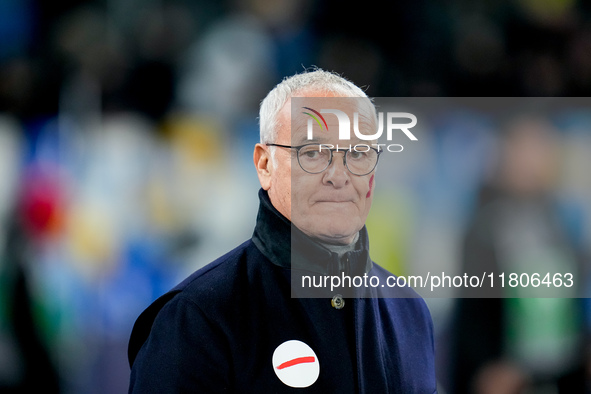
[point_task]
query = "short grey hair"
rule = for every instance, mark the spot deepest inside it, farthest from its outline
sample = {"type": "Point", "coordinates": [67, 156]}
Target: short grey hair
{"type": "Point", "coordinates": [317, 80]}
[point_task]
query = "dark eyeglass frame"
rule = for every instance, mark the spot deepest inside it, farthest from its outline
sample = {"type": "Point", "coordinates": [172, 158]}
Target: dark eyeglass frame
{"type": "Point", "coordinates": [300, 147]}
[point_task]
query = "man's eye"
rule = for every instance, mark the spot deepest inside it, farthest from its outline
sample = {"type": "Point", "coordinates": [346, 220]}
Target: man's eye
{"type": "Point", "coordinates": [311, 154]}
{"type": "Point", "coordinates": [357, 155]}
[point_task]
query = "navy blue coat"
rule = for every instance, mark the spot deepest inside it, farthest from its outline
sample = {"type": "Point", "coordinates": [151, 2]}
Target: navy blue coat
{"type": "Point", "coordinates": [218, 330]}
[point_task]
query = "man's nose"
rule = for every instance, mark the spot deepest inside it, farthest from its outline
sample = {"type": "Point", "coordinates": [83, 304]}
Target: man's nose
{"type": "Point", "coordinates": [337, 173]}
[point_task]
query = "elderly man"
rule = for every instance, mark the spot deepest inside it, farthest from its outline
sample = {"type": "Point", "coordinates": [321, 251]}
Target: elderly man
{"type": "Point", "coordinates": [238, 325]}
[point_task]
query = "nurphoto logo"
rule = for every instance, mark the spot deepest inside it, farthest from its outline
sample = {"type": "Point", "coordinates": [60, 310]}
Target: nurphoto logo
{"type": "Point", "coordinates": [345, 128]}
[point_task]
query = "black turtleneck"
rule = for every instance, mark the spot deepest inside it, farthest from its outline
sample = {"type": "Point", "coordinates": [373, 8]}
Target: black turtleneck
{"type": "Point", "coordinates": [287, 246]}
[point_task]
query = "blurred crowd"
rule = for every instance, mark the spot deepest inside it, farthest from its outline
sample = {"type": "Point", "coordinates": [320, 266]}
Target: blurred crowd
{"type": "Point", "coordinates": [126, 135]}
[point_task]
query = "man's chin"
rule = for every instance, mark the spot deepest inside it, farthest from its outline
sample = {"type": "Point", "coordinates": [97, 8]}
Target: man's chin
{"type": "Point", "coordinates": [336, 239]}
{"type": "Point", "coordinates": [337, 235]}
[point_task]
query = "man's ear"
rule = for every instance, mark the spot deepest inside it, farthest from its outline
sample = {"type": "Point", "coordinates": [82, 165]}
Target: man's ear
{"type": "Point", "coordinates": [263, 164]}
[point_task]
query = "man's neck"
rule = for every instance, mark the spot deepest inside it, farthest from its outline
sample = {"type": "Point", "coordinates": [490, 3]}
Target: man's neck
{"type": "Point", "coordinates": [341, 249]}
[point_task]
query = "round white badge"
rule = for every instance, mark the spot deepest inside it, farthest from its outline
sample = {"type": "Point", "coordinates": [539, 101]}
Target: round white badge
{"type": "Point", "coordinates": [296, 364]}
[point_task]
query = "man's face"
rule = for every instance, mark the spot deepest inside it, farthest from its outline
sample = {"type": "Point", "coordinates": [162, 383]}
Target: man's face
{"type": "Point", "coordinates": [333, 205]}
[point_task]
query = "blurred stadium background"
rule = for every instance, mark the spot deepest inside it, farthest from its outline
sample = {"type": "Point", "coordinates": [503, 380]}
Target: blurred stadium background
{"type": "Point", "coordinates": [126, 134]}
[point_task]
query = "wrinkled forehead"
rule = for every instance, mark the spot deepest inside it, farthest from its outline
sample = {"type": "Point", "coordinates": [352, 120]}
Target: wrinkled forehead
{"type": "Point", "coordinates": [321, 118]}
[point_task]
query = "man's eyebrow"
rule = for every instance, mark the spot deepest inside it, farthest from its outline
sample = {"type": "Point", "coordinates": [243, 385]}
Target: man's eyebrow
{"type": "Point", "coordinates": [306, 141]}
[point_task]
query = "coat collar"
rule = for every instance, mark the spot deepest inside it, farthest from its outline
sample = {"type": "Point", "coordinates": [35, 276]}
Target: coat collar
{"type": "Point", "coordinates": [287, 246]}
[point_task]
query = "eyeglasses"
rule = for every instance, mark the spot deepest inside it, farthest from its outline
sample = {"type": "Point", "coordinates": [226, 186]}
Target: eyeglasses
{"type": "Point", "coordinates": [315, 158]}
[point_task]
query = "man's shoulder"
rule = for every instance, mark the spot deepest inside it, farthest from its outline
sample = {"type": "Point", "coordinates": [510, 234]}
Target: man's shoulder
{"type": "Point", "coordinates": [219, 276]}
{"type": "Point", "coordinates": [217, 280]}
{"type": "Point", "coordinates": [403, 298]}
{"type": "Point", "coordinates": [213, 286]}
